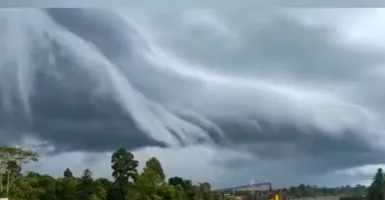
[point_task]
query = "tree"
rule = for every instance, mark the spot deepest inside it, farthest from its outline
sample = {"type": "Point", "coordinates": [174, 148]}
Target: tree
{"type": "Point", "coordinates": [147, 185]}
{"type": "Point", "coordinates": [204, 191]}
{"type": "Point", "coordinates": [150, 183]}
{"type": "Point", "coordinates": [88, 189]}
{"type": "Point", "coordinates": [175, 181]}
{"type": "Point", "coordinates": [68, 173]}
{"type": "Point", "coordinates": [124, 172]}
{"type": "Point", "coordinates": [23, 190]}
{"type": "Point", "coordinates": [85, 187]}
{"type": "Point", "coordinates": [11, 160]}
{"type": "Point", "coordinates": [101, 192]}
{"type": "Point", "coordinates": [154, 165]}
{"type": "Point", "coordinates": [376, 189]}
{"type": "Point", "coordinates": [179, 193]}
{"type": "Point", "coordinates": [66, 189]}
{"type": "Point", "coordinates": [105, 186]}
{"type": "Point", "coordinates": [124, 166]}
{"type": "Point", "coordinates": [44, 184]}
{"type": "Point", "coordinates": [170, 192]}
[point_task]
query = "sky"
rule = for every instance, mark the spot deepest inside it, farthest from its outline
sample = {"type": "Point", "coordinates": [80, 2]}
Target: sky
{"type": "Point", "coordinates": [217, 92]}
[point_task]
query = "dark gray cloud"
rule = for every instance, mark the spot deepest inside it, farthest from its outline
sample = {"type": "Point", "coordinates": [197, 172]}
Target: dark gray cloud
{"type": "Point", "coordinates": [97, 3]}
{"type": "Point", "coordinates": [64, 109]}
{"type": "Point", "coordinates": [102, 28]}
{"type": "Point", "coordinates": [95, 81]}
{"type": "Point", "coordinates": [276, 44]}
{"type": "Point", "coordinates": [318, 151]}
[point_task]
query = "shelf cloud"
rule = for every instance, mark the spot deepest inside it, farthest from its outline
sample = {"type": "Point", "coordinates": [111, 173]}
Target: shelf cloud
{"type": "Point", "coordinates": [286, 88]}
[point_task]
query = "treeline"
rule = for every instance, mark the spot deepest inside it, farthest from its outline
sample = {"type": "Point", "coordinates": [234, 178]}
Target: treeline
{"type": "Point", "coordinates": [127, 183]}
{"type": "Point", "coordinates": [376, 190]}
{"type": "Point", "coordinates": [313, 191]}
{"type": "Point", "coordinates": [316, 191]}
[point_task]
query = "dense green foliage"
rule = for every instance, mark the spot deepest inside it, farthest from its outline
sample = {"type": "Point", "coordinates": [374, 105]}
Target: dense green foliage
{"type": "Point", "coordinates": [377, 188]}
{"type": "Point", "coordinates": [296, 192]}
{"type": "Point", "coordinates": [315, 191]}
{"type": "Point", "coordinates": [11, 159]}
{"type": "Point", "coordinates": [129, 184]}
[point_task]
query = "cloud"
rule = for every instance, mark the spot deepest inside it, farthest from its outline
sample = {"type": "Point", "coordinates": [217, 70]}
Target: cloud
{"type": "Point", "coordinates": [98, 3]}
{"type": "Point", "coordinates": [224, 90]}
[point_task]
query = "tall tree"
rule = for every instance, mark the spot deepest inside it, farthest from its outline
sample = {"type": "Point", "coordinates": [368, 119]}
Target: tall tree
{"type": "Point", "coordinates": [154, 165]}
{"type": "Point", "coordinates": [124, 172]}
{"type": "Point", "coordinates": [11, 161]}
{"type": "Point", "coordinates": [150, 183]}
{"type": "Point", "coordinates": [377, 188]}
{"type": "Point", "coordinates": [147, 185]}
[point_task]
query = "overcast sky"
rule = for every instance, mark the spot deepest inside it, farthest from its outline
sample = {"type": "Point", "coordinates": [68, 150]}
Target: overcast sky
{"type": "Point", "coordinates": [218, 92]}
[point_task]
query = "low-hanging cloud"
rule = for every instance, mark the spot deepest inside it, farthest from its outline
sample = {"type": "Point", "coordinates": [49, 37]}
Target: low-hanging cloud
{"type": "Point", "coordinates": [276, 88]}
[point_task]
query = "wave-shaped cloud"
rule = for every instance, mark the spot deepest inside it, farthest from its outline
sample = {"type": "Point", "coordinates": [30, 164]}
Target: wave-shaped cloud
{"type": "Point", "coordinates": [276, 87]}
